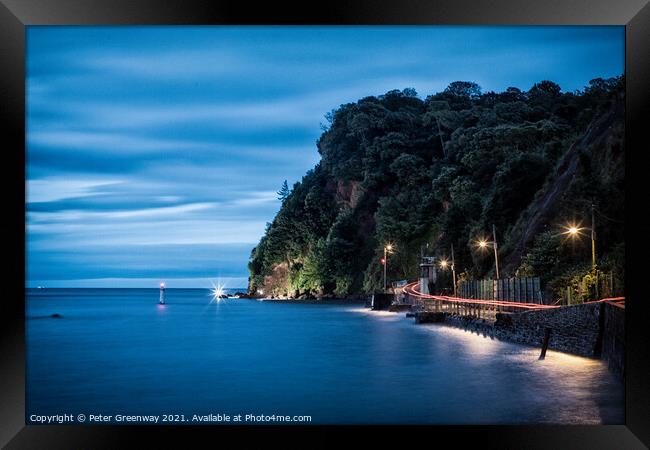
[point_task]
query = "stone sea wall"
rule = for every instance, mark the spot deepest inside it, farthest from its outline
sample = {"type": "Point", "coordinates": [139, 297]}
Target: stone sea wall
{"type": "Point", "coordinates": [613, 348]}
{"type": "Point", "coordinates": [574, 329]}
{"type": "Point", "coordinates": [594, 330]}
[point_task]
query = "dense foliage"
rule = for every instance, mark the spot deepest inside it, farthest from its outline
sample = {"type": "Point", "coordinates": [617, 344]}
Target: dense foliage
{"type": "Point", "coordinates": [425, 174]}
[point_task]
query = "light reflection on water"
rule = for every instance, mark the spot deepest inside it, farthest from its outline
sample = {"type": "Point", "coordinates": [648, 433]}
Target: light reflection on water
{"type": "Point", "coordinates": [585, 389]}
{"type": "Point", "coordinates": [119, 350]}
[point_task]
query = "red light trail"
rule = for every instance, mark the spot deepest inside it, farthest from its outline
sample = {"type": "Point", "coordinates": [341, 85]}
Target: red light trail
{"type": "Point", "coordinates": [410, 289]}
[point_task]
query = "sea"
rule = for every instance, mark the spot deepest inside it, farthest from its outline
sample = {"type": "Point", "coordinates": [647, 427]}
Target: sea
{"type": "Point", "coordinates": [116, 353]}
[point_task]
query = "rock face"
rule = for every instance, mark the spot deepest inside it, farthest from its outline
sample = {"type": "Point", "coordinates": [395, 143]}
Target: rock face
{"type": "Point", "coordinates": [275, 283]}
{"type": "Point", "coordinates": [347, 192]}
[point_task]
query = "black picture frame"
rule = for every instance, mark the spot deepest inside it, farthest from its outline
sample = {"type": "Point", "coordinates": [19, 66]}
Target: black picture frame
{"type": "Point", "coordinates": [15, 15]}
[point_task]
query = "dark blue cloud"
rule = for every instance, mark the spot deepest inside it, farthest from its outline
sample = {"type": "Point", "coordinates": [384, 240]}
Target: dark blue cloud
{"type": "Point", "coordinates": [157, 151]}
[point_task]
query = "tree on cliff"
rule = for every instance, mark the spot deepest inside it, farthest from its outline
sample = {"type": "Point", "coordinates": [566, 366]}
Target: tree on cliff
{"type": "Point", "coordinates": [284, 192]}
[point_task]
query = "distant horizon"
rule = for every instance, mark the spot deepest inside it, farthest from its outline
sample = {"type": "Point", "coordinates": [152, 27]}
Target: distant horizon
{"type": "Point", "coordinates": [156, 153]}
{"type": "Point", "coordinates": [136, 283]}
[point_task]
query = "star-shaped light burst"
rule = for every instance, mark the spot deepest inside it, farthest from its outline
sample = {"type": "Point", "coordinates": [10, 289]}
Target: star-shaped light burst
{"type": "Point", "coordinates": [483, 243]}
{"type": "Point", "coordinates": [573, 230]}
{"type": "Point", "coordinates": [217, 291]}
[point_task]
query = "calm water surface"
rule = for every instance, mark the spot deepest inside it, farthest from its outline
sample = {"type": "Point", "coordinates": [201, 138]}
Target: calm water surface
{"type": "Point", "coordinates": [116, 351]}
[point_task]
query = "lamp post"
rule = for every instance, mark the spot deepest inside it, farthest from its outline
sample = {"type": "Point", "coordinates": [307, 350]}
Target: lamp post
{"type": "Point", "coordinates": [484, 244]}
{"type": "Point", "coordinates": [444, 264]}
{"type": "Point", "coordinates": [575, 230]}
{"type": "Point", "coordinates": [453, 268]}
{"type": "Point", "coordinates": [494, 244]}
{"type": "Point", "coordinates": [387, 249]}
{"type": "Point", "coordinates": [593, 238]}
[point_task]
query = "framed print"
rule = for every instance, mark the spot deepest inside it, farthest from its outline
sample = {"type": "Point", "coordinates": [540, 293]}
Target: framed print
{"type": "Point", "coordinates": [417, 217]}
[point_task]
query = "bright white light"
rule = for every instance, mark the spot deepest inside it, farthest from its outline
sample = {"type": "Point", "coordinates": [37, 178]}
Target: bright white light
{"type": "Point", "coordinates": [162, 285]}
{"type": "Point", "coordinates": [573, 230]}
{"type": "Point", "coordinates": [217, 291]}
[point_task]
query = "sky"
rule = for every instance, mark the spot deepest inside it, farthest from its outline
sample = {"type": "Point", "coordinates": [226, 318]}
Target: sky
{"type": "Point", "coordinates": [155, 153]}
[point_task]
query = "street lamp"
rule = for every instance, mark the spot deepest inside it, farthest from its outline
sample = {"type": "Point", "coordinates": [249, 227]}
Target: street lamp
{"type": "Point", "coordinates": [573, 231]}
{"type": "Point", "coordinates": [444, 264]}
{"type": "Point", "coordinates": [453, 268]}
{"type": "Point", "coordinates": [388, 248]}
{"type": "Point", "coordinates": [483, 244]}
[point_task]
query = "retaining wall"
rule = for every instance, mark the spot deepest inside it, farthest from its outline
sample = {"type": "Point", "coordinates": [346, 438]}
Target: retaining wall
{"type": "Point", "coordinates": [574, 329]}
{"type": "Point", "coordinates": [613, 348]}
{"type": "Point", "coordinates": [592, 329]}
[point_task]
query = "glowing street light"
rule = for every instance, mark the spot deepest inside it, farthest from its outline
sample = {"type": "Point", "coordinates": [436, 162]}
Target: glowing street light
{"type": "Point", "coordinates": [573, 231]}
{"type": "Point", "coordinates": [444, 263]}
{"type": "Point", "coordinates": [388, 248]}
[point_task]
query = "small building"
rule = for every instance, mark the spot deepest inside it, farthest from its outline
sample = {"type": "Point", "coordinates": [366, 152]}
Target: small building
{"type": "Point", "coordinates": [428, 274]}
